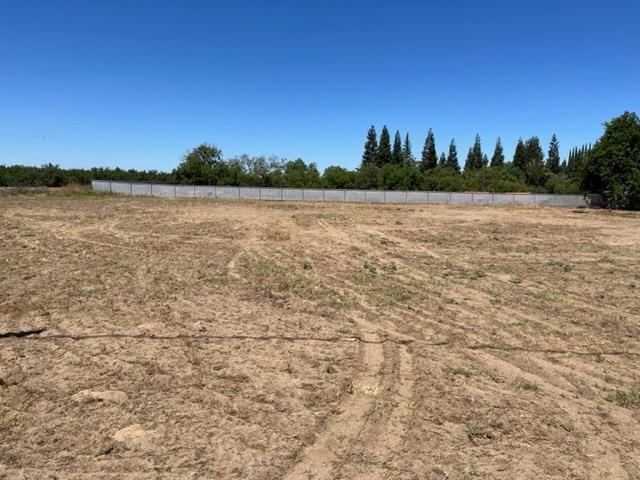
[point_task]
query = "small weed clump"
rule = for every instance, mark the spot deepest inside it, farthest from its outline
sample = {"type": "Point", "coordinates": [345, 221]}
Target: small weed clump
{"type": "Point", "coordinates": [565, 267]}
{"type": "Point", "coordinates": [515, 279]}
{"type": "Point", "coordinates": [463, 371]}
{"type": "Point", "coordinates": [306, 265]}
{"type": "Point", "coordinates": [478, 274]}
{"type": "Point", "coordinates": [474, 431]}
{"type": "Point", "coordinates": [470, 471]}
{"type": "Point", "coordinates": [625, 398]}
{"type": "Point", "coordinates": [528, 385]}
{"type": "Point", "coordinates": [371, 268]}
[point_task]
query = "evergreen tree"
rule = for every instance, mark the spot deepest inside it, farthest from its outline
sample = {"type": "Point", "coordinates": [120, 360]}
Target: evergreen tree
{"type": "Point", "coordinates": [577, 161]}
{"type": "Point", "coordinates": [485, 160]}
{"type": "Point", "coordinates": [469, 164]}
{"type": "Point", "coordinates": [443, 160]}
{"type": "Point", "coordinates": [407, 155]}
{"type": "Point", "coordinates": [498, 155]}
{"type": "Point", "coordinates": [396, 154]}
{"type": "Point", "coordinates": [553, 160]}
{"type": "Point", "coordinates": [383, 155]}
{"type": "Point", "coordinates": [534, 169]}
{"type": "Point", "coordinates": [370, 147]}
{"type": "Point", "coordinates": [429, 155]}
{"type": "Point", "coordinates": [533, 150]}
{"type": "Point", "coordinates": [475, 159]}
{"type": "Point", "coordinates": [452, 158]}
{"type": "Point", "coordinates": [520, 156]}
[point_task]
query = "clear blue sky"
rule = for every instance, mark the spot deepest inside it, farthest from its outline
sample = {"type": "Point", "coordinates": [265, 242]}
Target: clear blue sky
{"type": "Point", "coordinates": [136, 83]}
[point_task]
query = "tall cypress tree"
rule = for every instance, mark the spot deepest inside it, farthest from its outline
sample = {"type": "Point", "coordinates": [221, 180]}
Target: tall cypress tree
{"type": "Point", "coordinates": [475, 159]}
{"type": "Point", "coordinates": [407, 155]}
{"type": "Point", "coordinates": [370, 147]}
{"type": "Point", "coordinates": [533, 151]}
{"type": "Point", "coordinates": [470, 163]}
{"type": "Point", "coordinates": [452, 158]}
{"type": "Point", "coordinates": [520, 156]}
{"type": "Point", "coordinates": [553, 160]}
{"type": "Point", "coordinates": [443, 160]}
{"type": "Point", "coordinates": [396, 154]}
{"type": "Point", "coordinates": [498, 155]}
{"type": "Point", "coordinates": [383, 155]}
{"type": "Point", "coordinates": [534, 168]}
{"type": "Point", "coordinates": [429, 155]}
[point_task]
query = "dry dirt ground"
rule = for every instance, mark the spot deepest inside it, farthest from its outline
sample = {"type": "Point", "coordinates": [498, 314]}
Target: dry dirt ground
{"type": "Point", "coordinates": [204, 339]}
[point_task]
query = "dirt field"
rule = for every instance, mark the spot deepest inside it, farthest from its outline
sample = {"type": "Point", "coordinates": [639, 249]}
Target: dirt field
{"type": "Point", "coordinates": [203, 339]}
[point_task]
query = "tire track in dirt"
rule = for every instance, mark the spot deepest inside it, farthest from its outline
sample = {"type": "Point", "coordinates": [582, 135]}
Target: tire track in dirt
{"type": "Point", "coordinates": [356, 421]}
{"type": "Point", "coordinates": [384, 439]}
{"type": "Point", "coordinates": [339, 434]}
{"type": "Point", "coordinates": [318, 458]}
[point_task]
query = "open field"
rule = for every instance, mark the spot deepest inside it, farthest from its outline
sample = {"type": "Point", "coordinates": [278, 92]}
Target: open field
{"type": "Point", "coordinates": [203, 339]}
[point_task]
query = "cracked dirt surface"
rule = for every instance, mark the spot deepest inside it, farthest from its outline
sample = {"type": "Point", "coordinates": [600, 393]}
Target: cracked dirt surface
{"type": "Point", "coordinates": [163, 338]}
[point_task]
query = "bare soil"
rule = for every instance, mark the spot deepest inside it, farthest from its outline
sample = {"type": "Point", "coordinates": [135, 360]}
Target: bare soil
{"type": "Point", "coordinates": [203, 339]}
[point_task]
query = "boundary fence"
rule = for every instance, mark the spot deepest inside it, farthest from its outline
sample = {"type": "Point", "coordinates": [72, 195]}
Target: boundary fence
{"type": "Point", "coordinates": [356, 196]}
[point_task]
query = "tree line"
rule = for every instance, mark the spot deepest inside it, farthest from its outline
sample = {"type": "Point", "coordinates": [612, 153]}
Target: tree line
{"type": "Point", "coordinates": [528, 166]}
{"type": "Point", "coordinates": [610, 166]}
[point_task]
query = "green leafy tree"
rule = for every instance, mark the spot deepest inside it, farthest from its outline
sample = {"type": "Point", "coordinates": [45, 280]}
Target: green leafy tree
{"type": "Point", "coordinates": [613, 166]}
{"type": "Point", "coordinates": [199, 165]}
{"type": "Point", "coordinates": [553, 158]}
{"type": "Point", "coordinates": [370, 147]}
{"type": "Point", "coordinates": [396, 153]}
{"type": "Point", "coordinates": [407, 155]}
{"type": "Point", "coordinates": [383, 155]}
{"type": "Point", "coordinates": [452, 158]}
{"type": "Point", "coordinates": [497, 160]}
{"type": "Point", "coordinates": [429, 158]}
{"type": "Point", "coordinates": [338, 177]}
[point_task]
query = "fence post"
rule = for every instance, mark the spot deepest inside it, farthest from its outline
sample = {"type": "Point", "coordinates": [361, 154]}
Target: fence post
{"type": "Point", "coordinates": [131, 189]}
{"type": "Point", "coordinates": [406, 197]}
{"type": "Point", "coordinates": [281, 194]}
{"type": "Point", "coordinates": [344, 195]}
{"type": "Point", "coordinates": [472, 198]}
{"type": "Point", "coordinates": [323, 195]}
{"type": "Point", "coordinates": [151, 194]}
{"type": "Point", "coordinates": [175, 191]}
{"type": "Point", "coordinates": [449, 197]}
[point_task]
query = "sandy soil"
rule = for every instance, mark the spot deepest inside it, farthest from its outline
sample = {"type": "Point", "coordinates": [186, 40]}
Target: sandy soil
{"type": "Point", "coordinates": [203, 339]}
